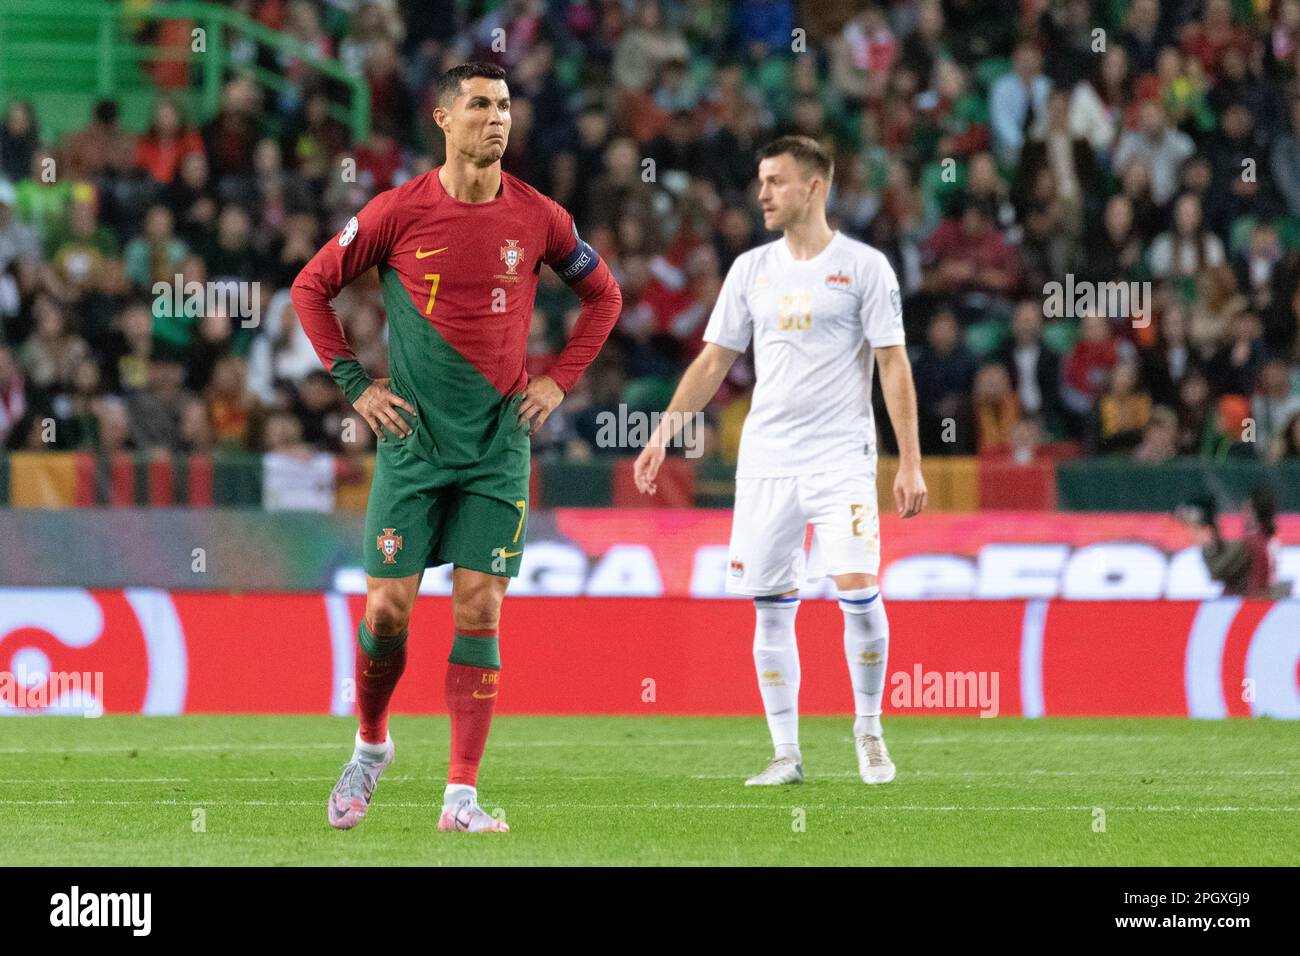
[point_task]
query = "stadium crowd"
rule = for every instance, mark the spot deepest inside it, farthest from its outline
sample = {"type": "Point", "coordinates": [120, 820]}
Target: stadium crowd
{"type": "Point", "coordinates": [989, 147]}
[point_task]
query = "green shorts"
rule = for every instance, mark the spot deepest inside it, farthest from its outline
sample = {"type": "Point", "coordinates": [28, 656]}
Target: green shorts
{"type": "Point", "coordinates": [421, 514]}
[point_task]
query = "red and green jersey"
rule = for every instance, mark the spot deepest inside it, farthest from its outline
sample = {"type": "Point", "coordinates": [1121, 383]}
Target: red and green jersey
{"type": "Point", "coordinates": [458, 282]}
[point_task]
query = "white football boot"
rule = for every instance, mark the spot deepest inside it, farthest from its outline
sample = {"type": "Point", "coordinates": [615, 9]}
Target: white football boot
{"type": "Point", "coordinates": [462, 814]}
{"type": "Point", "coordinates": [873, 759]}
{"type": "Point", "coordinates": [781, 770]}
{"type": "Point", "coordinates": [350, 798]}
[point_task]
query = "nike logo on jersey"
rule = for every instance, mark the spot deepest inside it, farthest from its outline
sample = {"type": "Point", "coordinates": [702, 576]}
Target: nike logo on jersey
{"type": "Point", "coordinates": [421, 254]}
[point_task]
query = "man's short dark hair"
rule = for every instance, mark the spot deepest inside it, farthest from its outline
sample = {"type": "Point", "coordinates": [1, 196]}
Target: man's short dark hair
{"type": "Point", "coordinates": [449, 82]}
{"type": "Point", "coordinates": [812, 156]}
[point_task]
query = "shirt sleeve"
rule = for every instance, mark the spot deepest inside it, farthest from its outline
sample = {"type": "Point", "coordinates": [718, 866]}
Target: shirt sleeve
{"type": "Point", "coordinates": [731, 324]}
{"type": "Point", "coordinates": [366, 241]}
{"type": "Point", "coordinates": [882, 305]}
{"type": "Point", "coordinates": [578, 265]}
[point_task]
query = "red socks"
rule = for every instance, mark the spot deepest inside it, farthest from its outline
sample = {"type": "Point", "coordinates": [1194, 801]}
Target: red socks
{"type": "Point", "coordinates": [473, 680]}
{"type": "Point", "coordinates": [380, 662]}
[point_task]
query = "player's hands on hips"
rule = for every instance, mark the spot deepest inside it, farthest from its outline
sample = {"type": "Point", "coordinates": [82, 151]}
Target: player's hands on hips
{"type": "Point", "coordinates": [378, 406]}
{"type": "Point", "coordinates": [541, 397]}
{"type": "Point", "coordinates": [647, 466]}
{"type": "Point", "coordinates": [909, 490]}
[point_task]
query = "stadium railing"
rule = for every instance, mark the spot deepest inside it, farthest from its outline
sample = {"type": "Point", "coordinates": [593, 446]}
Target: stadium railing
{"type": "Point", "coordinates": [65, 56]}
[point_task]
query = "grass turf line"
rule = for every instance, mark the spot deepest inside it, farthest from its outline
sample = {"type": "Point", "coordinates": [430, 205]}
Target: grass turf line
{"type": "Point", "coordinates": [122, 790]}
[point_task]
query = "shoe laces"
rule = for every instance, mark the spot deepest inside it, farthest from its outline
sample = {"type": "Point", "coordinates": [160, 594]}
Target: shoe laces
{"type": "Point", "coordinates": [874, 748]}
{"type": "Point", "coordinates": [359, 777]}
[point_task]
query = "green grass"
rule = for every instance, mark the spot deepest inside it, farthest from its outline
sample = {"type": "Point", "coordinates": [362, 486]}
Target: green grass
{"type": "Point", "coordinates": [661, 790]}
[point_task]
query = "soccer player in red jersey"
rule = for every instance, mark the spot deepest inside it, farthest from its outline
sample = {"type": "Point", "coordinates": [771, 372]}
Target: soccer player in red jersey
{"type": "Point", "coordinates": [459, 250]}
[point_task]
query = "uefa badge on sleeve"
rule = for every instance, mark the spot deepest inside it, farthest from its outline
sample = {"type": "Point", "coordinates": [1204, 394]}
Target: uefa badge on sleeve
{"type": "Point", "coordinates": [349, 232]}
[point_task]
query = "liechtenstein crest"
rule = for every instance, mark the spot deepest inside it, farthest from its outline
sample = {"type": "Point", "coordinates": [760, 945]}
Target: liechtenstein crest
{"type": "Point", "coordinates": [389, 544]}
{"type": "Point", "coordinates": [512, 255]}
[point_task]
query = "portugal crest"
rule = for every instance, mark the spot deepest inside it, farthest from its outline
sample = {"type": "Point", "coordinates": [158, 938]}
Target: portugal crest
{"type": "Point", "coordinates": [512, 255]}
{"type": "Point", "coordinates": [389, 544]}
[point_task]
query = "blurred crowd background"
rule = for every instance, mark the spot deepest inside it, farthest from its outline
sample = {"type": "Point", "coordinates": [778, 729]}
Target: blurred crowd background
{"type": "Point", "coordinates": [988, 147]}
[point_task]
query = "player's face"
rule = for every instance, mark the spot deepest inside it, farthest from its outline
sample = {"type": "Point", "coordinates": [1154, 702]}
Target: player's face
{"type": "Point", "coordinates": [478, 123]}
{"type": "Point", "coordinates": [784, 191]}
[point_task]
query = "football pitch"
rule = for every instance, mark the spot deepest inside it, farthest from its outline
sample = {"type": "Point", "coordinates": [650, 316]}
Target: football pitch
{"type": "Point", "coordinates": [251, 790]}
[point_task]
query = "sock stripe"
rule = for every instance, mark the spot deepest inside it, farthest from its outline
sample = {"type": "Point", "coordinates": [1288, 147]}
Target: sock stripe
{"type": "Point", "coordinates": [476, 649]}
{"type": "Point", "coordinates": [378, 647]}
{"type": "Point", "coordinates": [776, 600]}
{"type": "Point", "coordinates": [859, 601]}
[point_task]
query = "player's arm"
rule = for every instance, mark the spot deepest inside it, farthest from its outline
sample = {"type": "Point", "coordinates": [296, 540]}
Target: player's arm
{"type": "Point", "coordinates": [363, 243]}
{"type": "Point", "coordinates": [900, 399]}
{"type": "Point", "coordinates": [882, 324]}
{"type": "Point", "coordinates": [697, 387]}
{"type": "Point", "coordinates": [578, 265]}
{"type": "Point", "coordinates": [731, 326]}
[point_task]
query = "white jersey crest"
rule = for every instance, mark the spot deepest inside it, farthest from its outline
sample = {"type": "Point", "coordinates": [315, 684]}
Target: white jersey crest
{"type": "Point", "coordinates": [815, 324]}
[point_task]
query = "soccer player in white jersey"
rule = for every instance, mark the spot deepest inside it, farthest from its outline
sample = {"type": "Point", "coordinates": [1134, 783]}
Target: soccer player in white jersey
{"type": "Point", "coordinates": [818, 307]}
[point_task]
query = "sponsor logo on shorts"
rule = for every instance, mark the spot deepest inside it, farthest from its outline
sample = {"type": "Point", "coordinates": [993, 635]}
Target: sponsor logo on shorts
{"type": "Point", "coordinates": [736, 568]}
{"type": "Point", "coordinates": [388, 544]}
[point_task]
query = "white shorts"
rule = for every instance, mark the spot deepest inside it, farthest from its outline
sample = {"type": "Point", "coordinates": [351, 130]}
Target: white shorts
{"type": "Point", "coordinates": [771, 522]}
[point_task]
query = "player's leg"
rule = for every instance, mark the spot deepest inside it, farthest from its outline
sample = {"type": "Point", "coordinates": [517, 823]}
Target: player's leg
{"type": "Point", "coordinates": [484, 538]}
{"type": "Point", "coordinates": [766, 541]}
{"type": "Point", "coordinates": [473, 682]}
{"type": "Point", "coordinates": [401, 517]}
{"type": "Point", "coordinates": [848, 534]}
{"type": "Point", "coordinates": [380, 661]}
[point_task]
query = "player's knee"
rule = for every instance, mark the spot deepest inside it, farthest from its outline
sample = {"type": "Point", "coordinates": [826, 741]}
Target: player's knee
{"type": "Point", "coordinates": [480, 610]}
{"type": "Point", "coordinates": [854, 582]}
{"type": "Point", "coordinates": [387, 615]}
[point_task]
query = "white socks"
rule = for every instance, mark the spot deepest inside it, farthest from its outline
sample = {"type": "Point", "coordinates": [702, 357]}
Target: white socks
{"type": "Point", "coordinates": [866, 648]}
{"type": "Point", "coordinates": [456, 792]}
{"type": "Point", "coordinates": [372, 753]}
{"type": "Point", "coordinates": [776, 659]}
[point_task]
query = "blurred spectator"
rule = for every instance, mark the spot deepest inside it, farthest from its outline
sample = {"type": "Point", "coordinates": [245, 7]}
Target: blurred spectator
{"type": "Point", "coordinates": [1160, 150]}
{"type": "Point", "coordinates": [169, 140]}
{"type": "Point", "coordinates": [1034, 369]}
{"type": "Point", "coordinates": [13, 394]}
{"type": "Point", "coordinates": [1169, 359]}
{"type": "Point", "coordinates": [155, 409]}
{"type": "Point", "coordinates": [1274, 403]}
{"type": "Point", "coordinates": [1188, 247]}
{"type": "Point", "coordinates": [52, 351]}
{"type": "Point", "coordinates": [944, 371]}
{"type": "Point", "coordinates": [156, 255]}
{"type": "Point", "coordinates": [19, 141]}
{"type": "Point", "coordinates": [996, 409]}
{"type": "Point", "coordinates": [1017, 101]}
{"type": "Point", "coordinates": [1122, 412]}
{"type": "Point", "coordinates": [100, 146]}
{"type": "Point", "coordinates": [1089, 364]}
{"type": "Point", "coordinates": [1159, 438]}
{"type": "Point", "coordinates": [1286, 447]}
